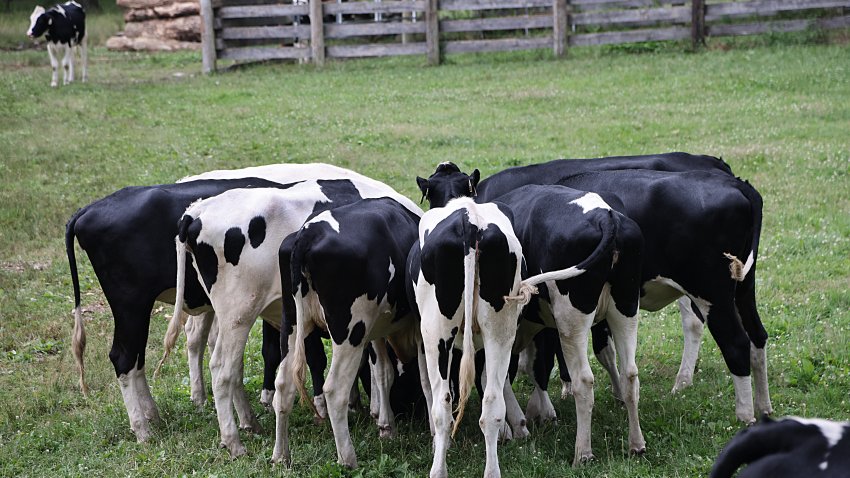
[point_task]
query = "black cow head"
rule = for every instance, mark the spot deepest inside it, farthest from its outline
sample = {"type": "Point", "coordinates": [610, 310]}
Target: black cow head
{"type": "Point", "coordinates": [447, 183]}
{"type": "Point", "coordinates": [40, 21]}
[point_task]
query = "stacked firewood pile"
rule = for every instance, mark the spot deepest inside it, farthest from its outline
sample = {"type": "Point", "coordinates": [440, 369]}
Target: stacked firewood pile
{"type": "Point", "coordinates": [158, 25]}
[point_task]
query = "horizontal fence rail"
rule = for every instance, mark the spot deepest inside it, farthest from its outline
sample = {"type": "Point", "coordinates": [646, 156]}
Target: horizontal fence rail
{"type": "Point", "coordinates": [312, 30]}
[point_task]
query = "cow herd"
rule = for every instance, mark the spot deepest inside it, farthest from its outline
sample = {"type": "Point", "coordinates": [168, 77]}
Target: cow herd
{"type": "Point", "coordinates": [532, 262]}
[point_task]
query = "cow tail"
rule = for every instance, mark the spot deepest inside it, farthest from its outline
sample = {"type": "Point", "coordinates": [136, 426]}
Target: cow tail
{"type": "Point", "coordinates": [302, 315]}
{"type": "Point", "coordinates": [752, 444]}
{"type": "Point", "coordinates": [605, 246]}
{"type": "Point", "coordinates": [178, 317]}
{"type": "Point", "coordinates": [78, 337]}
{"type": "Point", "coordinates": [466, 376]}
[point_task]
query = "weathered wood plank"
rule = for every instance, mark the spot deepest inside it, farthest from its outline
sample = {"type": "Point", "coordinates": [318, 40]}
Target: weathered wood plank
{"type": "Point", "coordinates": [697, 23]}
{"type": "Point", "coordinates": [317, 32]}
{"type": "Point", "coordinates": [505, 44]}
{"type": "Point", "coordinates": [631, 36]}
{"type": "Point", "coordinates": [638, 16]}
{"type": "Point", "coordinates": [432, 32]}
{"type": "Point", "coordinates": [778, 26]}
{"type": "Point", "coordinates": [496, 23]}
{"type": "Point", "coordinates": [263, 11]}
{"type": "Point", "coordinates": [208, 55]}
{"type": "Point", "coordinates": [263, 53]}
{"type": "Point", "coordinates": [347, 30]}
{"type": "Point", "coordinates": [262, 33]}
{"type": "Point", "coordinates": [559, 27]}
{"type": "Point", "coordinates": [451, 5]}
{"type": "Point", "coordinates": [716, 11]}
{"type": "Point", "coordinates": [376, 49]}
{"type": "Point", "coordinates": [388, 6]}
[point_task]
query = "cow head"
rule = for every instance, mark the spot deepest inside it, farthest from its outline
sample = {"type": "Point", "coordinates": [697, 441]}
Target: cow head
{"type": "Point", "coordinates": [447, 183]}
{"type": "Point", "coordinates": [39, 22]}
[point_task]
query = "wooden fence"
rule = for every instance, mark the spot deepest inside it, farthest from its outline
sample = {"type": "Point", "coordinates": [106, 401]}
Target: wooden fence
{"type": "Point", "coordinates": [312, 30]}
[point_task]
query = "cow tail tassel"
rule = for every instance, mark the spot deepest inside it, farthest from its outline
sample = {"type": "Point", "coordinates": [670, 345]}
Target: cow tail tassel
{"type": "Point", "coordinates": [466, 376]}
{"type": "Point", "coordinates": [178, 317]}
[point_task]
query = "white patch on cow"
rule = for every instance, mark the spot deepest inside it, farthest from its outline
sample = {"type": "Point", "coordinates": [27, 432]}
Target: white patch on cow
{"type": "Point", "coordinates": [832, 431]}
{"type": "Point", "coordinates": [61, 10]}
{"type": "Point", "coordinates": [392, 270]}
{"type": "Point", "coordinates": [39, 11]}
{"type": "Point", "coordinates": [589, 202]}
{"type": "Point", "coordinates": [661, 291]}
{"type": "Point", "coordinates": [324, 217]}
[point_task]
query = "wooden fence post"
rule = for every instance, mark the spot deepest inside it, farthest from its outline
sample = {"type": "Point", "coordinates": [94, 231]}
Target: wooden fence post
{"type": "Point", "coordinates": [697, 23]}
{"type": "Point", "coordinates": [559, 29]}
{"type": "Point", "coordinates": [432, 31]}
{"type": "Point", "coordinates": [317, 32]}
{"type": "Point", "coordinates": [208, 55]}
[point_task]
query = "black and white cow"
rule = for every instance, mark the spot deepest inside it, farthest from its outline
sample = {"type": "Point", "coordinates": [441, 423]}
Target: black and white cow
{"type": "Point", "coordinates": [466, 271]}
{"type": "Point", "coordinates": [681, 260]}
{"type": "Point", "coordinates": [557, 227]}
{"type": "Point", "coordinates": [129, 239]}
{"type": "Point", "coordinates": [788, 448]}
{"type": "Point", "coordinates": [233, 240]}
{"type": "Point", "coordinates": [64, 27]}
{"type": "Point", "coordinates": [345, 271]}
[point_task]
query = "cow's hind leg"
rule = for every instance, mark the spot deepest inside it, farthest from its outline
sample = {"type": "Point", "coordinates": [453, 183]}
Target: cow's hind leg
{"type": "Point", "coordinates": [271, 360]}
{"type": "Point", "coordinates": [383, 374]}
{"type": "Point", "coordinates": [84, 57]}
{"type": "Point", "coordinates": [226, 367]}
{"type": "Point", "coordinates": [345, 361]}
{"type": "Point", "coordinates": [574, 328]}
{"type": "Point", "coordinates": [745, 301]}
{"type": "Point", "coordinates": [692, 327]}
{"type": "Point", "coordinates": [197, 330]}
{"type": "Point", "coordinates": [606, 353]}
{"type": "Point", "coordinates": [624, 330]}
{"type": "Point", "coordinates": [734, 344]}
{"type": "Point", "coordinates": [284, 398]}
{"type": "Point", "coordinates": [497, 345]}
{"type": "Point", "coordinates": [317, 362]}
{"type": "Point", "coordinates": [53, 51]}
{"type": "Point", "coordinates": [68, 65]}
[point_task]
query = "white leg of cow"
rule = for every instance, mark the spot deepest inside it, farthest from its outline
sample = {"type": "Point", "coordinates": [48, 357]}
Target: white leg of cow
{"type": "Point", "coordinates": [68, 66]}
{"type": "Point", "coordinates": [441, 395]}
{"type": "Point", "coordinates": [516, 419]}
{"type": "Point", "coordinates": [53, 51]}
{"type": "Point", "coordinates": [692, 327]}
{"type": "Point", "coordinates": [608, 358]}
{"type": "Point", "coordinates": [284, 398]}
{"type": "Point", "coordinates": [540, 406]}
{"type": "Point", "coordinates": [381, 388]}
{"type": "Point", "coordinates": [375, 399]}
{"type": "Point", "coordinates": [197, 330]}
{"type": "Point", "coordinates": [247, 419]}
{"type": "Point", "coordinates": [566, 389]}
{"type": "Point", "coordinates": [424, 380]}
{"type": "Point", "coordinates": [505, 432]}
{"type": "Point", "coordinates": [225, 365]}
{"type": "Point", "coordinates": [573, 329]}
{"type": "Point", "coordinates": [145, 397]}
{"type": "Point", "coordinates": [624, 330]}
{"type": "Point", "coordinates": [758, 362]}
{"type": "Point", "coordinates": [744, 399]}
{"type": "Point", "coordinates": [345, 361]}
{"type": "Point", "coordinates": [497, 343]}
{"type": "Point", "coordinates": [129, 391]}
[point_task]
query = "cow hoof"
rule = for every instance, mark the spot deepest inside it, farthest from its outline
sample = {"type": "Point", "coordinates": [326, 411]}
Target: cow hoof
{"type": "Point", "coordinates": [200, 402]}
{"type": "Point", "coordinates": [318, 420]}
{"type": "Point", "coordinates": [681, 384]}
{"type": "Point", "coordinates": [252, 427]}
{"type": "Point", "coordinates": [266, 398]}
{"type": "Point", "coordinates": [638, 451]}
{"type": "Point", "coordinates": [521, 432]}
{"type": "Point", "coordinates": [282, 460]}
{"type": "Point", "coordinates": [386, 432]}
{"type": "Point", "coordinates": [236, 449]}
{"type": "Point", "coordinates": [583, 459]}
{"type": "Point", "coordinates": [143, 434]}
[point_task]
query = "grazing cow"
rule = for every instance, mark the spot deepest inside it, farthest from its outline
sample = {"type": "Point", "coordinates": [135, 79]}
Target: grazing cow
{"type": "Point", "coordinates": [557, 227]}
{"type": "Point", "coordinates": [64, 27]}
{"type": "Point", "coordinates": [233, 240]}
{"type": "Point", "coordinates": [465, 271]}
{"type": "Point", "coordinates": [129, 239]}
{"type": "Point", "coordinates": [683, 256]}
{"type": "Point", "coordinates": [345, 271]}
{"type": "Point", "coordinates": [788, 448]}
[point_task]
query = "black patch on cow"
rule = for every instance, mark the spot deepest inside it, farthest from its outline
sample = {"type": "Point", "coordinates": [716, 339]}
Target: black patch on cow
{"type": "Point", "coordinates": [182, 227]}
{"type": "Point", "coordinates": [357, 333]}
{"type": "Point", "coordinates": [445, 348]}
{"type": "Point", "coordinates": [497, 267]}
{"type": "Point", "coordinates": [192, 231]}
{"type": "Point", "coordinates": [234, 241]}
{"type": "Point", "coordinates": [340, 191]}
{"type": "Point", "coordinates": [207, 263]}
{"type": "Point", "coordinates": [442, 259]}
{"type": "Point", "coordinates": [257, 231]}
{"type": "Point", "coordinates": [370, 351]}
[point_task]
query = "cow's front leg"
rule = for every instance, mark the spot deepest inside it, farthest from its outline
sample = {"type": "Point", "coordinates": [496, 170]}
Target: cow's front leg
{"type": "Point", "coordinates": [226, 365]}
{"type": "Point", "coordinates": [53, 51]}
{"type": "Point", "coordinates": [692, 328]}
{"type": "Point", "coordinates": [68, 65]}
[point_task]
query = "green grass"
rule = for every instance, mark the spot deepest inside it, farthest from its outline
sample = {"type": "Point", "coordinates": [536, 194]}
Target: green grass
{"type": "Point", "coordinates": [776, 108]}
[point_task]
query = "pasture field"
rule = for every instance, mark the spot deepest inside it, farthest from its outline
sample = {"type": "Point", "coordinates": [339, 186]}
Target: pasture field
{"type": "Point", "coordinates": [776, 108]}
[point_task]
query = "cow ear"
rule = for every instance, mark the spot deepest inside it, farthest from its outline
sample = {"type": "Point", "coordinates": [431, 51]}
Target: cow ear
{"type": "Point", "coordinates": [423, 186]}
{"type": "Point", "coordinates": [473, 182]}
